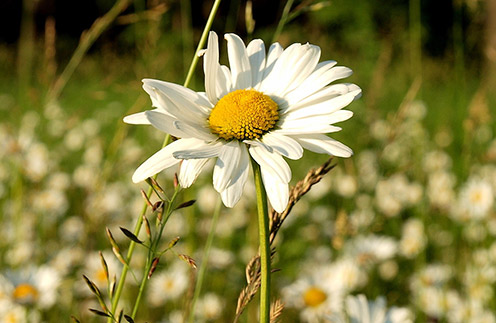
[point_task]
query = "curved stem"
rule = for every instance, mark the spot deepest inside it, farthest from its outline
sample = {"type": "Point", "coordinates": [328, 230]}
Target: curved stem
{"type": "Point", "coordinates": [203, 266]}
{"type": "Point", "coordinates": [263, 231]}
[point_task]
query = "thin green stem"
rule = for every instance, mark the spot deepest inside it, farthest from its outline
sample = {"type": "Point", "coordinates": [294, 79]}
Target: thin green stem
{"type": "Point", "coordinates": [87, 39]}
{"type": "Point", "coordinates": [202, 42]}
{"type": "Point", "coordinates": [152, 253]}
{"type": "Point", "coordinates": [132, 245]}
{"type": "Point", "coordinates": [194, 62]}
{"type": "Point", "coordinates": [283, 20]}
{"type": "Point", "coordinates": [203, 266]}
{"type": "Point", "coordinates": [263, 231]}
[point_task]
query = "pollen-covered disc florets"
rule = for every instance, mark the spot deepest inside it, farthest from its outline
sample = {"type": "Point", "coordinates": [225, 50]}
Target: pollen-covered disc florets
{"type": "Point", "coordinates": [243, 114]}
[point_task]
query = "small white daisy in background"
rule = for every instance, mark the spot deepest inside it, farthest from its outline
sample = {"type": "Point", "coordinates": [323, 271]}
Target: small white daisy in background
{"type": "Point", "coordinates": [31, 286]}
{"type": "Point", "coordinates": [93, 269]}
{"type": "Point", "coordinates": [371, 249]}
{"type": "Point", "coordinates": [314, 295]}
{"type": "Point", "coordinates": [413, 239]}
{"type": "Point", "coordinates": [14, 313]}
{"type": "Point", "coordinates": [396, 193]}
{"type": "Point", "coordinates": [266, 106]}
{"type": "Point", "coordinates": [209, 308]}
{"type": "Point", "coordinates": [440, 189]}
{"type": "Point", "coordinates": [433, 275]}
{"type": "Point", "coordinates": [436, 160]}
{"type": "Point", "coordinates": [360, 310]}
{"type": "Point", "coordinates": [475, 201]}
{"type": "Point", "coordinates": [168, 284]}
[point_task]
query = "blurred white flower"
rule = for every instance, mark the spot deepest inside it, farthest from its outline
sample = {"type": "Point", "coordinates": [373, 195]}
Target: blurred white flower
{"type": "Point", "coordinates": [440, 189]}
{"type": "Point", "coordinates": [436, 160]}
{"type": "Point", "coordinates": [209, 308]}
{"type": "Point", "coordinates": [314, 295]}
{"type": "Point", "coordinates": [169, 284]}
{"type": "Point", "coordinates": [94, 270]}
{"type": "Point", "coordinates": [370, 250]}
{"type": "Point", "coordinates": [475, 201]}
{"type": "Point", "coordinates": [36, 286]}
{"type": "Point", "coordinates": [360, 310]}
{"type": "Point", "coordinates": [413, 238]}
{"type": "Point", "coordinates": [36, 162]}
{"type": "Point", "coordinates": [13, 313]}
{"type": "Point", "coordinates": [396, 193]}
{"type": "Point", "coordinates": [51, 201]}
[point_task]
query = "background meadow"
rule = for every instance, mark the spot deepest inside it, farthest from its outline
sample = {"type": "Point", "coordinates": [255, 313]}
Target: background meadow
{"type": "Point", "coordinates": [411, 216]}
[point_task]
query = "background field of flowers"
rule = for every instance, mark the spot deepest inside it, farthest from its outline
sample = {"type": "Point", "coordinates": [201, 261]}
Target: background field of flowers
{"type": "Point", "coordinates": [410, 217]}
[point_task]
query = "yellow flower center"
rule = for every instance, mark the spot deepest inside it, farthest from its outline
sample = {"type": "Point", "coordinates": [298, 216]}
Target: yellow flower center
{"type": "Point", "coordinates": [243, 114]}
{"type": "Point", "coordinates": [314, 296]}
{"type": "Point", "coordinates": [25, 293]}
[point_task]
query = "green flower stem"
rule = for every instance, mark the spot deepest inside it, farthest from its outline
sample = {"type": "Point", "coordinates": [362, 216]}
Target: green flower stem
{"type": "Point", "coordinates": [153, 252]}
{"type": "Point", "coordinates": [263, 230]}
{"type": "Point", "coordinates": [203, 266]}
{"type": "Point", "coordinates": [194, 62]}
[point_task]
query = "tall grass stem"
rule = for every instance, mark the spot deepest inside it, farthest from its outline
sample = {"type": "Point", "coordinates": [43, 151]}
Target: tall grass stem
{"type": "Point", "coordinates": [283, 20]}
{"type": "Point", "coordinates": [204, 263]}
{"type": "Point", "coordinates": [87, 40]}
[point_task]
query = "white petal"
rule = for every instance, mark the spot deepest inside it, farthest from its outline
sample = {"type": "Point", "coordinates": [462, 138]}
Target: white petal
{"type": "Point", "coordinates": [294, 65]}
{"type": "Point", "coordinates": [322, 97]}
{"type": "Point", "coordinates": [322, 144]}
{"type": "Point", "coordinates": [277, 191]}
{"type": "Point", "coordinates": [300, 128]}
{"type": "Point", "coordinates": [322, 108]}
{"type": "Point", "coordinates": [177, 100]}
{"type": "Point", "coordinates": [164, 123]}
{"type": "Point", "coordinates": [189, 171]}
{"type": "Point", "coordinates": [227, 166]}
{"type": "Point", "coordinates": [271, 162]}
{"type": "Point", "coordinates": [238, 62]}
{"type": "Point", "coordinates": [195, 131]}
{"type": "Point", "coordinates": [160, 160]}
{"type": "Point", "coordinates": [224, 83]}
{"type": "Point", "coordinates": [138, 118]}
{"type": "Point", "coordinates": [258, 143]}
{"type": "Point", "coordinates": [312, 123]}
{"type": "Point", "coordinates": [199, 150]}
{"type": "Point", "coordinates": [275, 50]}
{"type": "Point", "coordinates": [211, 67]}
{"type": "Point", "coordinates": [285, 145]}
{"type": "Point", "coordinates": [256, 55]}
{"type": "Point", "coordinates": [313, 83]}
{"type": "Point", "coordinates": [231, 195]}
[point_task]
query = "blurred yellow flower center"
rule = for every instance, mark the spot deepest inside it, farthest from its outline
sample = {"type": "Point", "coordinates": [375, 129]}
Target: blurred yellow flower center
{"type": "Point", "coordinates": [314, 297]}
{"type": "Point", "coordinates": [243, 114]}
{"type": "Point", "coordinates": [25, 293]}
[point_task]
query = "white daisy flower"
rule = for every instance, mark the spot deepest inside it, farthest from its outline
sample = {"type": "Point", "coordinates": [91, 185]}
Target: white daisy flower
{"type": "Point", "coordinates": [265, 106]}
{"type": "Point", "coordinates": [360, 310]}
{"type": "Point", "coordinates": [31, 286]}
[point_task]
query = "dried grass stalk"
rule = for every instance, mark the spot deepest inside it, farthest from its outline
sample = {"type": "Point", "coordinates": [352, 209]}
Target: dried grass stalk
{"type": "Point", "coordinates": [276, 219]}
